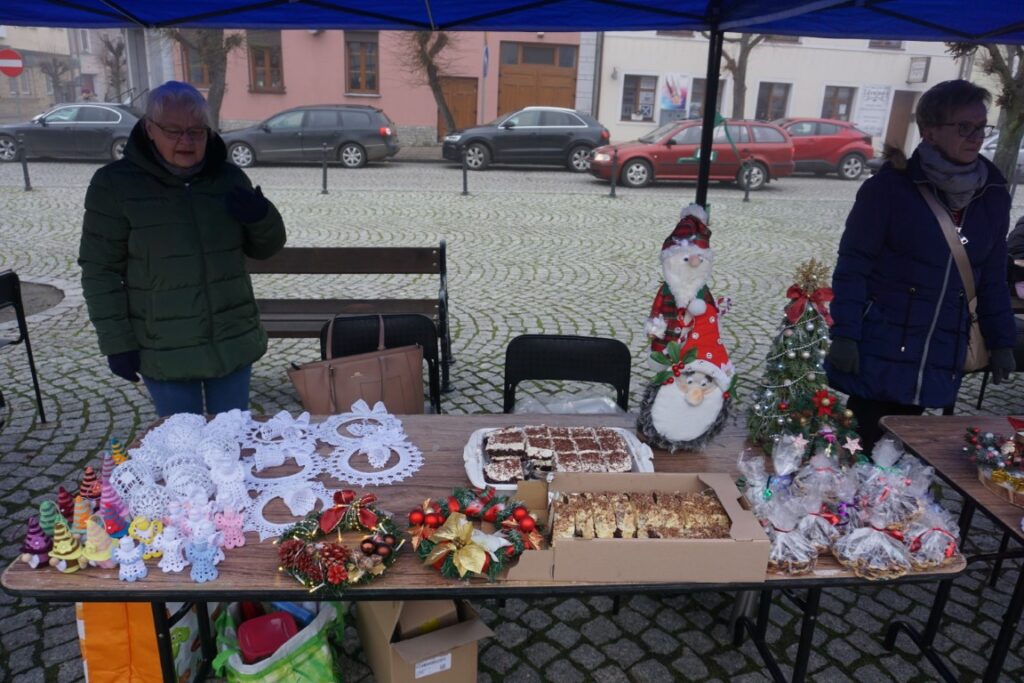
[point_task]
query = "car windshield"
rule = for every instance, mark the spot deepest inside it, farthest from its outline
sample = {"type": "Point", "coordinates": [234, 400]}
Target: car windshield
{"type": "Point", "coordinates": [659, 133]}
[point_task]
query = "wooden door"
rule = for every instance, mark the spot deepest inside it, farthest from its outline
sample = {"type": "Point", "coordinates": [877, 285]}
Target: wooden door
{"type": "Point", "coordinates": [535, 74]}
{"type": "Point", "coordinates": [461, 95]}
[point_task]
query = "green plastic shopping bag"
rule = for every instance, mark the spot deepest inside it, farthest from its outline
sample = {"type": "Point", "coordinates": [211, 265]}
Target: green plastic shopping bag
{"type": "Point", "coordinates": [306, 657]}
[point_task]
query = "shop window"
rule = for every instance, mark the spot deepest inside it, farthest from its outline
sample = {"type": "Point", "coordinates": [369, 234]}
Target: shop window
{"type": "Point", "coordinates": [772, 100]}
{"type": "Point", "coordinates": [22, 85]}
{"type": "Point", "coordinates": [838, 102]}
{"type": "Point", "coordinates": [196, 71]}
{"type": "Point", "coordinates": [363, 62]}
{"type": "Point", "coordinates": [638, 94]}
{"type": "Point", "coordinates": [266, 63]}
{"type": "Point", "coordinates": [567, 56]}
{"type": "Point", "coordinates": [698, 95]}
{"type": "Point", "coordinates": [885, 44]}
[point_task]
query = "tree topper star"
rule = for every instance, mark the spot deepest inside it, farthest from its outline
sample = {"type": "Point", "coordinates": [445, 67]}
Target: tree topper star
{"type": "Point", "coordinates": [852, 445]}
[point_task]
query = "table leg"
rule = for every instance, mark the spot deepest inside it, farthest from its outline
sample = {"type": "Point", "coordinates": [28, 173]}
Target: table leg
{"type": "Point", "coordinates": [206, 639]}
{"type": "Point", "coordinates": [163, 641]}
{"type": "Point", "coordinates": [1006, 631]}
{"type": "Point", "coordinates": [997, 567]}
{"type": "Point", "coordinates": [759, 629]}
{"type": "Point", "coordinates": [810, 620]}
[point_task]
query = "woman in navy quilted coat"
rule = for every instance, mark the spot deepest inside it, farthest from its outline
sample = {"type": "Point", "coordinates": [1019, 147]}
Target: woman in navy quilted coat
{"type": "Point", "coordinates": [901, 319]}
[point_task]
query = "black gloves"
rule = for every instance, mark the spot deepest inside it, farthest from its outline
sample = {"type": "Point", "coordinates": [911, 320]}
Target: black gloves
{"type": "Point", "coordinates": [1001, 363]}
{"type": "Point", "coordinates": [845, 356]}
{"type": "Point", "coordinates": [246, 206]}
{"type": "Point", "coordinates": [126, 365]}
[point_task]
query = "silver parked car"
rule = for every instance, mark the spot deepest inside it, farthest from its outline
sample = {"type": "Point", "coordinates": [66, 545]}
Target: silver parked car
{"type": "Point", "coordinates": [988, 150]}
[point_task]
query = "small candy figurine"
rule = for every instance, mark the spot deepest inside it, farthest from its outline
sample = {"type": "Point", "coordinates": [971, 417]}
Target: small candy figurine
{"type": "Point", "coordinates": [171, 544]}
{"type": "Point", "coordinates": [35, 550]}
{"type": "Point", "coordinates": [201, 554]}
{"type": "Point", "coordinates": [144, 531]}
{"type": "Point", "coordinates": [66, 555]}
{"type": "Point", "coordinates": [130, 559]}
{"type": "Point", "coordinates": [99, 547]}
{"type": "Point", "coordinates": [229, 524]}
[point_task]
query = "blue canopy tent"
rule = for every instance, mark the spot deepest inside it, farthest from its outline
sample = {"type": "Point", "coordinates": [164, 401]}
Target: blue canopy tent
{"type": "Point", "coordinates": [982, 21]}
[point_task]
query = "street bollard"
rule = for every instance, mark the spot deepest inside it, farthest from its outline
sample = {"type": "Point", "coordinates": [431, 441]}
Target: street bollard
{"type": "Point", "coordinates": [323, 147]}
{"type": "Point", "coordinates": [23, 153]}
{"type": "Point", "coordinates": [465, 174]}
{"type": "Point", "coordinates": [747, 166]}
{"type": "Point", "coordinates": [615, 172]}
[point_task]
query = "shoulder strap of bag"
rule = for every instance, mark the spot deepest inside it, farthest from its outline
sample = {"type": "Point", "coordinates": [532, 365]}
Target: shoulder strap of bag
{"type": "Point", "coordinates": [330, 336]}
{"type": "Point", "coordinates": [953, 238]}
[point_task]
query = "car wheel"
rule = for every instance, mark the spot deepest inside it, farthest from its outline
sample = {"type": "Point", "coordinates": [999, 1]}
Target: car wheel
{"type": "Point", "coordinates": [851, 167]}
{"type": "Point", "coordinates": [352, 155]}
{"type": "Point", "coordinates": [241, 155]}
{"type": "Point", "coordinates": [579, 158]}
{"type": "Point", "coordinates": [478, 157]}
{"type": "Point", "coordinates": [637, 173]}
{"type": "Point", "coordinates": [117, 148]}
{"type": "Point", "coordinates": [8, 148]}
{"type": "Point", "coordinates": [758, 175]}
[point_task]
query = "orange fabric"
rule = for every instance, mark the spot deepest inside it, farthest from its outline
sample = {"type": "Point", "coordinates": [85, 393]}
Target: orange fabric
{"type": "Point", "coordinates": [118, 642]}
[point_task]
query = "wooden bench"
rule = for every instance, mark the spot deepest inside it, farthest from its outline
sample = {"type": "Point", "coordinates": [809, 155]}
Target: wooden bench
{"type": "Point", "coordinates": [306, 316]}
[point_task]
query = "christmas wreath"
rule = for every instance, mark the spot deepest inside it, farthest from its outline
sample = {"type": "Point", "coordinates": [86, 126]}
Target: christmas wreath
{"type": "Point", "coordinates": [445, 537]}
{"type": "Point", "coordinates": [318, 563]}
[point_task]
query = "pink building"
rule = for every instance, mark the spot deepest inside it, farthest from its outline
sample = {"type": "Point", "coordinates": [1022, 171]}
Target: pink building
{"type": "Point", "coordinates": [277, 70]}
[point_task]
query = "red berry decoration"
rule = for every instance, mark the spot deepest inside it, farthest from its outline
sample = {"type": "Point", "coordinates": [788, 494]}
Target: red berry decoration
{"type": "Point", "coordinates": [492, 513]}
{"type": "Point", "coordinates": [433, 520]}
{"type": "Point", "coordinates": [528, 524]}
{"type": "Point", "coordinates": [390, 540]}
{"type": "Point", "coordinates": [453, 504]}
{"type": "Point", "coordinates": [519, 514]}
{"type": "Point", "coordinates": [384, 550]}
{"type": "Point", "coordinates": [368, 546]}
{"type": "Point", "coordinates": [416, 517]}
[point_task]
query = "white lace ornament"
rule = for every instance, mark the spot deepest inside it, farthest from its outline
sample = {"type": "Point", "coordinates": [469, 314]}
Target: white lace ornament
{"type": "Point", "coordinates": [187, 480]}
{"type": "Point", "coordinates": [151, 500]}
{"type": "Point", "coordinates": [171, 544]}
{"type": "Point", "coordinates": [130, 558]}
{"type": "Point", "coordinates": [218, 446]}
{"type": "Point", "coordinates": [130, 476]}
{"type": "Point", "coordinates": [256, 521]}
{"type": "Point", "coordinates": [375, 434]}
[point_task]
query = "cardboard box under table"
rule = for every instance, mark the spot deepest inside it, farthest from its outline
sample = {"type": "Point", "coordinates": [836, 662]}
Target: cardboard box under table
{"type": "Point", "coordinates": [743, 557]}
{"type": "Point", "coordinates": [446, 654]}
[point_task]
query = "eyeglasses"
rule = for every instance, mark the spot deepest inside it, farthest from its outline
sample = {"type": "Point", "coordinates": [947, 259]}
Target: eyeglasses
{"type": "Point", "coordinates": [966, 129]}
{"type": "Point", "coordinates": [196, 133]}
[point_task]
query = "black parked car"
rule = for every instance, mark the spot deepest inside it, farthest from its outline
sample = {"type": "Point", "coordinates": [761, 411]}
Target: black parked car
{"type": "Point", "coordinates": [534, 135]}
{"type": "Point", "coordinates": [354, 134]}
{"type": "Point", "coordinates": [86, 130]}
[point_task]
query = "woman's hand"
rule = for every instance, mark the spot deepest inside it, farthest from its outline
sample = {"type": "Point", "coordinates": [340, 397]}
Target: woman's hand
{"type": "Point", "coordinates": [247, 206]}
{"type": "Point", "coordinates": [844, 355]}
{"type": "Point", "coordinates": [125, 365]}
{"type": "Point", "coordinates": [1001, 363]}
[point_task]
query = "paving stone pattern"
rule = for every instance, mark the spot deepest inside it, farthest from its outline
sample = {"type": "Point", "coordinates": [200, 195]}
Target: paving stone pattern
{"type": "Point", "coordinates": [529, 250]}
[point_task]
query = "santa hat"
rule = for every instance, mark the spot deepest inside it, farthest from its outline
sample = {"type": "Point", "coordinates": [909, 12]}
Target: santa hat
{"type": "Point", "coordinates": [712, 356]}
{"type": "Point", "coordinates": [691, 231]}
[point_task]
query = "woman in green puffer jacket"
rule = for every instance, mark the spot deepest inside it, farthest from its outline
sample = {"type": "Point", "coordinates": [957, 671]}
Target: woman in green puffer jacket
{"type": "Point", "coordinates": [166, 233]}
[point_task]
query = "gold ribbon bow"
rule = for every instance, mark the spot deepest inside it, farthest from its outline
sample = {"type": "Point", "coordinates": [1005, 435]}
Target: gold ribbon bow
{"type": "Point", "coordinates": [456, 537]}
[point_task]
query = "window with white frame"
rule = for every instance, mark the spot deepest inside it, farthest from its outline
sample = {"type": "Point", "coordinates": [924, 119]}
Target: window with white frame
{"type": "Point", "coordinates": [83, 40]}
{"type": "Point", "coordinates": [772, 101]}
{"type": "Point", "coordinates": [20, 86]}
{"type": "Point", "coordinates": [698, 95]}
{"type": "Point", "coordinates": [838, 102]}
{"type": "Point", "coordinates": [638, 93]}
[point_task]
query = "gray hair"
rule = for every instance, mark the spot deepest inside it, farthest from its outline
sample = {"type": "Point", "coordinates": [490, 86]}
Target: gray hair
{"type": "Point", "coordinates": [177, 95]}
{"type": "Point", "coordinates": [937, 105]}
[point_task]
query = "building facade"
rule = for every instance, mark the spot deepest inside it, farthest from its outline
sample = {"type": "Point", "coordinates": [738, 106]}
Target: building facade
{"type": "Point", "coordinates": [48, 74]}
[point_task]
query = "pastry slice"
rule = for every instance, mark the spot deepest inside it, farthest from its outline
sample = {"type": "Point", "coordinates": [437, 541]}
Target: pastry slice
{"type": "Point", "coordinates": [585, 517]}
{"type": "Point", "coordinates": [643, 504]}
{"type": "Point", "coordinates": [669, 505]}
{"type": "Point", "coordinates": [604, 516]}
{"type": "Point", "coordinates": [625, 520]}
{"type": "Point", "coordinates": [563, 523]}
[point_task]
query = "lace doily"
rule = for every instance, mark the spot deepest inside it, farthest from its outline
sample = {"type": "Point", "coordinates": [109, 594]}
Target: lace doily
{"type": "Point", "coordinates": [375, 434]}
{"type": "Point", "coordinates": [256, 521]}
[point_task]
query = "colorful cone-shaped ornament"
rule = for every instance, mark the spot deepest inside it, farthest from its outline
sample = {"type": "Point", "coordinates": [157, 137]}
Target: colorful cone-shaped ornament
{"type": "Point", "coordinates": [90, 486]}
{"type": "Point", "coordinates": [117, 451]}
{"type": "Point", "coordinates": [66, 504]}
{"type": "Point", "coordinates": [107, 468]}
{"type": "Point", "coordinates": [98, 544]}
{"type": "Point", "coordinates": [49, 515]}
{"type": "Point", "coordinates": [110, 498]}
{"type": "Point", "coordinates": [114, 522]}
{"type": "Point", "coordinates": [83, 511]}
{"type": "Point", "coordinates": [35, 549]}
{"type": "Point", "coordinates": [66, 555]}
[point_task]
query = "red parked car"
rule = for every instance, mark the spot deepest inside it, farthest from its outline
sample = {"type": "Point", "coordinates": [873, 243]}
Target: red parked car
{"type": "Point", "coordinates": [829, 146]}
{"type": "Point", "coordinates": [671, 153]}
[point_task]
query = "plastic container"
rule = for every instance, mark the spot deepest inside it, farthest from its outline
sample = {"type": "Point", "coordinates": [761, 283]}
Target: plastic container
{"type": "Point", "coordinates": [260, 637]}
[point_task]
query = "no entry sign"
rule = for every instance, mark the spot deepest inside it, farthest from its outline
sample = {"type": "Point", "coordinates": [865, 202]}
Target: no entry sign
{"type": "Point", "coordinates": [11, 63]}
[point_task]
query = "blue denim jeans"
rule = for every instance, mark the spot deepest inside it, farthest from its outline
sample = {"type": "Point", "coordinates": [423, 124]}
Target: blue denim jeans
{"type": "Point", "coordinates": [222, 394]}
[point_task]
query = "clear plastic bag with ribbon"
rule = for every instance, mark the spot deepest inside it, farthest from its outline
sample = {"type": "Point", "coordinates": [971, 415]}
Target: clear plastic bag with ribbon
{"type": "Point", "coordinates": [933, 539]}
{"type": "Point", "coordinates": [873, 551]}
{"type": "Point", "coordinates": [791, 552]}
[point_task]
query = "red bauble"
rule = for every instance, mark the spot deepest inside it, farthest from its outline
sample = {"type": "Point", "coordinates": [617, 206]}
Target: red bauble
{"type": "Point", "coordinates": [528, 524]}
{"type": "Point", "coordinates": [473, 508]}
{"type": "Point", "coordinates": [783, 405]}
{"type": "Point", "coordinates": [432, 520]}
{"type": "Point", "coordinates": [519, 514]}
{"type": "Point", "coordinates": [416, 517]}
{"type": "Point", "coordinates": [492, 512]}
{"type": "Point", "coordinates": [453, 504]}
{"type": "Point", "coordinates": [510, 551]}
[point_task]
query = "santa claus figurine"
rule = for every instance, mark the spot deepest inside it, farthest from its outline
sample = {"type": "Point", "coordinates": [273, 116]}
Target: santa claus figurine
{"type": "Point", "coordinates": [686, 263]}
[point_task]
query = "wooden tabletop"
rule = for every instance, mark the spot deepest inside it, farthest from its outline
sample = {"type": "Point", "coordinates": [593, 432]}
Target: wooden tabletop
{"type": "Point", "coordinates": [939, 440]}
{"type": "Point", "coordinates": [250, 571]}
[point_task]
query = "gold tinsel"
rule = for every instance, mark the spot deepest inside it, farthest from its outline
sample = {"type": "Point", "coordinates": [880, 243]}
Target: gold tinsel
{"type": "Point", "coordinates": [812, 275]}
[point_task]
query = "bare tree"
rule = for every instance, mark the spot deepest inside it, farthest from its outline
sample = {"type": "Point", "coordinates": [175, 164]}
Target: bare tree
{"type": "Point", "coordinates": [1006, 63]}
{"type": "Point", "coordinates": [212, 46]}
{"type": "Point", "coordinates": [425, 55]}
{"type": "Point", "coordinates": [55, 69]}
{"type": "Point", "coordinates": [115, 64]}
{"type": "Point", "coordinates": [736, 64]}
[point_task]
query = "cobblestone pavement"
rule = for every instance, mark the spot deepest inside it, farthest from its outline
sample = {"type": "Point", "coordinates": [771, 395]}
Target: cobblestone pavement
{"type": "Point", "coordinates": [530, 250]}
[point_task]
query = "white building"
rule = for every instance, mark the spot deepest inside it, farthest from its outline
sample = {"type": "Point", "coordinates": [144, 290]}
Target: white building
{"type": "Point", "coordinates": [648, 78]}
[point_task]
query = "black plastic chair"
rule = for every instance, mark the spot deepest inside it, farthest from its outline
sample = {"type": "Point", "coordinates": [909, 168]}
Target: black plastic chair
{"type": "Point", "coordinates": [567, 357]}
{"type": "Point", "coordinates": [361, 333]}
{"type": "Point", "coordinates": [10, 297]}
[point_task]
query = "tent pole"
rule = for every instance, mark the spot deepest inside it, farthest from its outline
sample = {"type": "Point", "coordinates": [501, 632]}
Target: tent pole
{"type": "Point", "coordinates": [711, 83]}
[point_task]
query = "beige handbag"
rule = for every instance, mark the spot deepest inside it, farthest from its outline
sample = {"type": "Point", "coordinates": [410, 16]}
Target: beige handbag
{"type": "Point", "coordinates": [393, 376]}
{"type": "Point", "coordinates": [977, 352]}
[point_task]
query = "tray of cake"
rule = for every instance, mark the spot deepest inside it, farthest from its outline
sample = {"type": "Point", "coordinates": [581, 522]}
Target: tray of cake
{"type": "Point", "coordinates": [501, 457]}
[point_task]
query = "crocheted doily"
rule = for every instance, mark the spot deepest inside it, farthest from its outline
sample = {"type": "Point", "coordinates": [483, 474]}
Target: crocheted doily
{"type": "Point", "coordinates": [374, 434]}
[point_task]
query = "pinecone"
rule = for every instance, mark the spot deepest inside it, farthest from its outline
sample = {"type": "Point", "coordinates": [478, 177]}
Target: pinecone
{"type": "Point", "coordinates": [289, 551]}
{"type": "Point", "coordinates": [336, 574]}
{"type": "Point", "coordinates": [334, 554]}
{"type": "Point", "coordinates": [307, 563]}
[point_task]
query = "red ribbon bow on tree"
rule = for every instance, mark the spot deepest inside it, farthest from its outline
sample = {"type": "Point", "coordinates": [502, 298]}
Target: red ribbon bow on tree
{"type": "Point", "coordinates": [818, 298]}
{"type": "Point", "coordinates": [344, 503]}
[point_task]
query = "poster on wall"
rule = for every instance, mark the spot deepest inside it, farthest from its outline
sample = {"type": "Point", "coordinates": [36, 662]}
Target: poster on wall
{"type": "Point", "coordinates": [674, 96]}
{"type": "Point", "coordinates": [873, 109]}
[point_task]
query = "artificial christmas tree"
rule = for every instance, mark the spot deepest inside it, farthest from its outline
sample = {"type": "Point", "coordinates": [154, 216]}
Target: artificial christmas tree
{"type": "Point", "coordinates": [792, 396]}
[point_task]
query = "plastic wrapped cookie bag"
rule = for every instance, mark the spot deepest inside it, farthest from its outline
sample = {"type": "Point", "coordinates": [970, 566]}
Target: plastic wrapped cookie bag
{"type": "Point", "coordinates": [755, 482]}
{"type": "Point", "coordinates": [818, 525]}
{"type": "Point", "coordinates": [933, 539]}
{"type": "Point", "coordinates": [847, 504]}
{"type": "Point", "coordinates": [791, 552]}
{"type": "Point", "coordinates": [787, 456]}
{"type": "Point", "coordinates": [873, 552]}
{"type": "Point", "coordinates": [822, 474]}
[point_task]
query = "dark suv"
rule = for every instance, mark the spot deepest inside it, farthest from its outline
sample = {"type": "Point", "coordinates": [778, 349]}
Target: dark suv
{"type": "Point", "coordinates": [353, 133]}
{"type": "Point", "coordinates": [534, 135]}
